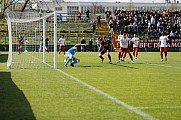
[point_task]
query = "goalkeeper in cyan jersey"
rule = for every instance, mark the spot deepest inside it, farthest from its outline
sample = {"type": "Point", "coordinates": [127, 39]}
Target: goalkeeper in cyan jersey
{"type": "Point", "coordinates": [70, 56]}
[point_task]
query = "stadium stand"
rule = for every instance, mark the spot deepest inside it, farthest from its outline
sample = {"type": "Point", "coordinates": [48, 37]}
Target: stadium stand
{"type": "Point", "coordinates": [145, 22]}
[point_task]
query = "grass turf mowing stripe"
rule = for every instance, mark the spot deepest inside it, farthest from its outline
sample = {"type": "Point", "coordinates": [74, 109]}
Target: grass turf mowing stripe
{"type": "Point", "coordinates": [134, 109]}
{"type": "Point", "coordinates": [166, 66]}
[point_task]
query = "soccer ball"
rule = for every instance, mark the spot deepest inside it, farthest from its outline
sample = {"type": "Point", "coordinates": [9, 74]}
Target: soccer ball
{"type": "Point", "coordinates": [78, 60]}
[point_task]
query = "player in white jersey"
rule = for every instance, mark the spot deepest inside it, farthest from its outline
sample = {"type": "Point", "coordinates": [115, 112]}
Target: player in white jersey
{"type": "Point", "coordinates": [163, 40]}
{"type": "Point", "coordinates": [119, 40]}
{"type": "Point", "coordinates": [124, 44]}
{"type": "Point", "coordinates": [135, 41]}
{"type": "Point", "coordinates": [61, 44]}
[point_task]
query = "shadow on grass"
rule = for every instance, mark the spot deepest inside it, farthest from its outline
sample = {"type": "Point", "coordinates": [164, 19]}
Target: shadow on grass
{"type": "Point", "coordinates": [3, 58]}
{"type": "Point", "coordinates": [87, 66]}
{"type": "Point", "coordinates": [121, 65]}
{"type": "Point", "coordinates": [13, 103]}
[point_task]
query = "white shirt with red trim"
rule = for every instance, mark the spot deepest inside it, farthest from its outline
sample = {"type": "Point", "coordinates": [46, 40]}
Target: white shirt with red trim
{"type": "Point", "coordinates": [135, 41]}
{"type": "Point", "coordinates": [124, 42]}
{"type": "Point", "coordinates": [62, 41]}
{"type": "Point", "coordinates": [163, 41]}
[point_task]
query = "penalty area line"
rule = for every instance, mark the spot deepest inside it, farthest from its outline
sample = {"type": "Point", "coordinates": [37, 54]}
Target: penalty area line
{"type": "Point", "coordinates": [114, 99]}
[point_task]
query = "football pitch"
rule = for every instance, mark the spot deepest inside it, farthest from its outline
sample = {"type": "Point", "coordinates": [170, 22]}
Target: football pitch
{"type": "Point", "coordinates": [148, 89]}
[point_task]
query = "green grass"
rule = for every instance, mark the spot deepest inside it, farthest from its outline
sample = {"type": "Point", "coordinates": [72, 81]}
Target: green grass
{"type": "Point", "coordinates": [47, 94]}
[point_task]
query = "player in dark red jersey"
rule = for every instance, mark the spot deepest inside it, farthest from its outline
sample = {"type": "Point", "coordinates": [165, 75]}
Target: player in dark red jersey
{"type": "Point", "coordinates": [20, 43]}
{"type": "Point", "coordinates": [105, 45]}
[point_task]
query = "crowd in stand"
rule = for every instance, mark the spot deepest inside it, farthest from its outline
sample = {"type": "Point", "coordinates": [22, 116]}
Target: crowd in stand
{"type": "Point", "coordinates": [142, 22]}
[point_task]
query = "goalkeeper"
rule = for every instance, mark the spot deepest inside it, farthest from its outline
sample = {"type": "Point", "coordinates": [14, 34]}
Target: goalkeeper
{"type": "Point", "coordinates": [70, 56]}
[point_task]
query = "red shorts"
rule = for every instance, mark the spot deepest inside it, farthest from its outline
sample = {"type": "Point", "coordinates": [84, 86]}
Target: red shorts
{"type": "Point", "coordinates": [125, 49]}
{"type": "Point", "coordinates": [19, 45]}
{"type": "Point", "coordinates": [62, 47]}
{"type": "Point", "coordinates": [165, 49]}
{"type": "Point", "coordinates": [135, 48]}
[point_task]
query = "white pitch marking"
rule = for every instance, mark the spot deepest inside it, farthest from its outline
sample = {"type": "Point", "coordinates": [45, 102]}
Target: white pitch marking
{"type": "Point", "coordinates": [134, 109]}
{"type": "Point", "coordinates": [160, 107]}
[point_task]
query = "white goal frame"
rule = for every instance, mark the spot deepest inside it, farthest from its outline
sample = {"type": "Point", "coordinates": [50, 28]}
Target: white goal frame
{"type": "Point", "coordinates": [13, 17]}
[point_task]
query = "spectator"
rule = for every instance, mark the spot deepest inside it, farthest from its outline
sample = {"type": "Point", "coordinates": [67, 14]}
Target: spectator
{"type": "Point", "coordinates": [90, 45]}
{"type": "Point", "coordinates": [87, 15]}
{"type": "Point", "coordinates": [83, 45]}
{"type": "Point", "coordinates": [79, 15]}
{"type": "Point", "coordinates": [94, 27]}
{"type": "Point", "coordinates": [99, 21]}
{"type": "Point", "coordinates": [172, 35]}
{"type": "Point", "coordinates": [152, 20]}
{"type": "Point", "coordinates": [60, 17]}
{"type": "Point", "coordinates": [148, 22]}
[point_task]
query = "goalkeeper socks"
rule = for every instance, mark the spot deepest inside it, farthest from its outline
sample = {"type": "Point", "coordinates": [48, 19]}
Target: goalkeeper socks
{"type": "Point", "coordinates": [74, 62]}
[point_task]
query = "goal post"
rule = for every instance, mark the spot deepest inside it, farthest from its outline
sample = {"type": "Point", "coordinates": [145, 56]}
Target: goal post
{"type": "Point", "coordinates": [32, 40]}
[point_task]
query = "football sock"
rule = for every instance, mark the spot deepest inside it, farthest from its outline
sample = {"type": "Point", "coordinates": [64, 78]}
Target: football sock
{"type": "Point", "coordinates": [68, 60]}
{"type": "Point", "coordinates": [161, 55]}
{"type": "Point", "coordinates": [119, 55]}
{"type": "Point", "coordinates": [131, 57]}
{"type": "Point", "coordinates": [109, 57]}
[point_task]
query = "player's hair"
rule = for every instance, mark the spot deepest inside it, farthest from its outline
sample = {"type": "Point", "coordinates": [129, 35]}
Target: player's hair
{"type": "Point", "coordinates": [121, 32]}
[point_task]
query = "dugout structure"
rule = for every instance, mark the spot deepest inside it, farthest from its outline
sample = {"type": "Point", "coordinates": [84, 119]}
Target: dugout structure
{"type": "Point", "coordinates": [38, 34]}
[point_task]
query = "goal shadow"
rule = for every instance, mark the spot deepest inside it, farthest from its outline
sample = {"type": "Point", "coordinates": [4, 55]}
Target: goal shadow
{"type": "Point", "coordinates": [3, 58]}
{"type": "Point", "coordinates": [13, 102]}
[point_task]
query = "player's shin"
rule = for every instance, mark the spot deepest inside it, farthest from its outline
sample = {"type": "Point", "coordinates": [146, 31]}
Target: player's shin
{"type": "Point", "coordinates": [109, 57]}
{"type": "Point", "coordinates": [68, 60]}
{"type": "Point", "coordinates": [131, 57]}
{"type": "Point", "coordinates": [100, 56]}
{"type": "Point", "coordinates": [161, 55]}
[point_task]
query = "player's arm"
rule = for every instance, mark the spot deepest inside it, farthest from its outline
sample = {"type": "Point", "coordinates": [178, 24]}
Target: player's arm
{"type": "Point", "coordinates": [59, 41]}
{"type": "Point", "coordinates": [159, 42]}
{"type": "Point", "coordinates": [76, 45]}
{"type": "Point", "coordinates": [168, 40]}
{"type": "Point", "coordinates": [113, 46]}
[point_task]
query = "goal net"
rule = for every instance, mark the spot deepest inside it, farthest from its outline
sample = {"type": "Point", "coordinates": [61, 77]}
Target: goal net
{"type": "Point", "coordinates": [32, 40]}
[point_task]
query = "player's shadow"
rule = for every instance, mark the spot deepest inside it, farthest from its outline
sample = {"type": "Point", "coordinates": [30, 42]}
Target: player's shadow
{"type": "Point", "coordinates": [121, 65]}
{"type": "Point", "coordinates": [13, 103]}
{"type": "Point", "coordinates": [87, 66]}
{"type": "Point", "coordinates": [3, 58]}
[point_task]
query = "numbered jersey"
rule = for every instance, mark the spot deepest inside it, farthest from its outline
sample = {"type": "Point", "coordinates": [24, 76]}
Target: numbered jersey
{"type": "Point", "coordinates": [119, 39]}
